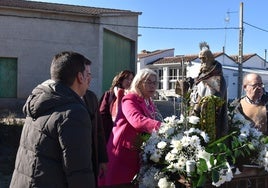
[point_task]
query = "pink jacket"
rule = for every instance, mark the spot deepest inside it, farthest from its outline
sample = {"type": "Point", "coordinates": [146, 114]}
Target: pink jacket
{"type": "Point", "coordinates": [134, 119]}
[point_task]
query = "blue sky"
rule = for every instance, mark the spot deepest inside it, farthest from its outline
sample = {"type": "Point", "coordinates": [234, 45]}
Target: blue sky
{"type": "Point", "coordinates": [194, 14]}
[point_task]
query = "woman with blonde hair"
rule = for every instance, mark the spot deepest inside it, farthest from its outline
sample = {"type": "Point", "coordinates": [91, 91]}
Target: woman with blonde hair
{"type": "Point", "coordinates": [136, 117]}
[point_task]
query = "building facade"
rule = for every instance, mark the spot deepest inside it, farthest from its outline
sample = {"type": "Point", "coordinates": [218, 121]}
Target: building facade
{"type": "Point", "coordinates": [173, 68]}
{"type": "Point", "coordinates": [31, 33]}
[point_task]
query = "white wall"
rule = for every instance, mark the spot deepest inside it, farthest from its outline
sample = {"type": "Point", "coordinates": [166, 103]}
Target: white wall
{"type": "Point", "coordinates": [193, 70]}
{"type": "Point", "coordinates": [231, 79]}
{"type": "Point", "coordinates": [226, 60]}
{"type": "Point", "coordinates": [34, 38]}
{"type": "Point", "coordinates": [149, 59]}
{"type": "Point", "coordinates": [35, 41]}
{"type": "Point", "coordinates": [255, 62]}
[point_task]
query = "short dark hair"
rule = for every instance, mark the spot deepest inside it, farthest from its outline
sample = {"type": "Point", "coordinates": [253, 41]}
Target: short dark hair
{"type": "Point", "coordinates": [66, 65]}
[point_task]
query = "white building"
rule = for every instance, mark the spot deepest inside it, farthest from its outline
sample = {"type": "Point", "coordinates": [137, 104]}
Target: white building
{"type": "Point", "coordinates": [172, 68]}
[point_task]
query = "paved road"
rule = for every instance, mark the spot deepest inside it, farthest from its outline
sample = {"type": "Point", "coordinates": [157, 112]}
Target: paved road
{"type": "Point", "coordinates": [168, 108]}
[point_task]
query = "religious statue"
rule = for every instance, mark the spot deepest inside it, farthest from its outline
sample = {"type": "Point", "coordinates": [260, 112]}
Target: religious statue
{"type": "Point", "coordinates": [207, 94]}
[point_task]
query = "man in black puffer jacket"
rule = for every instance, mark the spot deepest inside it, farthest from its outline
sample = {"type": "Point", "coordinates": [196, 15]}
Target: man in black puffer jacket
{"type": "Point", "coordinates": [56, 142]}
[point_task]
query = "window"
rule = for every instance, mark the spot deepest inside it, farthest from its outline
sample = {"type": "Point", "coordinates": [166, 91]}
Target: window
{"type": "Point", "coordinates": [173, 74]}
{"type": "Point", "coordinates": [182, 73]}
{"type": "Point", "coordinates": [160, 77]}
{"type": "Point", "coordinates": [173, 77]}
{"type": "Point", "coordinates": [171, 85]}
{"type": "Point", "coordinates": [160, 74]}
{"type": "Point", "coordinates": [8, 77]}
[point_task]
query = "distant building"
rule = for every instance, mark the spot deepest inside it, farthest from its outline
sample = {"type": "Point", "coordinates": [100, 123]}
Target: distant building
{"type": "Point", "coordinates": [172, 68]}
{"type": "Point", "coordinates": [33, 32]}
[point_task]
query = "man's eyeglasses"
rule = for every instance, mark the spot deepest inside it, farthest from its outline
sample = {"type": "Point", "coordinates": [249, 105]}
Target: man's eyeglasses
{"type": "Point", "coordinates": [261, 85]}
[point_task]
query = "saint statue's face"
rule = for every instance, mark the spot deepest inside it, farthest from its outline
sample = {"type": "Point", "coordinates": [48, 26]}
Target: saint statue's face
{"type": "Point", "coordinates": [206, 62]}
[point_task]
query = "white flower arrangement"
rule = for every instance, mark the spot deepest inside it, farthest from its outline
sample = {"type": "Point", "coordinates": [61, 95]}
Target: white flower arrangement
{"type": "Point", "coordinates": [251, 136]}
{"type": "Point", "coordinates": [172, 152]}
{"type": "Point", "coordinates": [179, 149]}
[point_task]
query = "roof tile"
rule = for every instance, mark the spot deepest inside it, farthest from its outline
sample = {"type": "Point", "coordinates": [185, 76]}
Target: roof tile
{"type": "Point", "coordinates": [63, 8]}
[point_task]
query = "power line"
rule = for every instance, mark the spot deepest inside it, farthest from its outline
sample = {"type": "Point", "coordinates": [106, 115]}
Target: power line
{"type": "Point", "coordinates": [192, 28]}
{"type": "Point", "coordinates": [183, 28]}
{"type": "Point", "coordinates": [172, 28]}
{"type": "Point", "coordinates": [160, 27]}
{"type": "Point", "coordinates": [255, 27]}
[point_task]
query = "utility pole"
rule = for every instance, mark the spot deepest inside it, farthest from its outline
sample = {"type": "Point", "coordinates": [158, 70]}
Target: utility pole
{"type": "Point", "coordinates": [240, 54]}
{"type": "Point", "coordinates": [181, 107]}
{"type": "Point", "coordinates": [265, 54]}
{"type": "Point", "coordinates": [183, 67]}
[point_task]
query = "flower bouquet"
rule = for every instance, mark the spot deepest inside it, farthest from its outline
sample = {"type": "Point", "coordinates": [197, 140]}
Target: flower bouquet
{"type": "Point", "coordinates": [256, 150]}
{"type": "Point", "coordinates": [182, 149]}
{"type": "Point", "coordinates": [173, 152]}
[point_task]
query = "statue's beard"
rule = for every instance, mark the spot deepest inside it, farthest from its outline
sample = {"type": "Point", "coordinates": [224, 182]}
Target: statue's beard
{"type": "Point", "coordinates": [205, 69]}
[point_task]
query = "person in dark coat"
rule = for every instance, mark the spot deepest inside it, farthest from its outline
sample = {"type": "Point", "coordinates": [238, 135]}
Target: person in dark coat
{"type": "Point", "coordinates": [108, 101]}
{"type": "Point", "coordinates": [56, 144]}
{"type": "Point", "coordinates": [100, 156]}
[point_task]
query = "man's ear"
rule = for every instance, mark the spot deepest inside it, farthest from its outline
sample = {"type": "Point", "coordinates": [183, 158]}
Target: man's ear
{"type": "Point", "coordinates": [80, 77]}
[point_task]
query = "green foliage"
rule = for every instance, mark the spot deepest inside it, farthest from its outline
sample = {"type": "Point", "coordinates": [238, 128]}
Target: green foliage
{"type": "Point", "coordinates": [215, 176]}
{"type": "Point", "coordinates": [264, 140]}
{"type": "Point", "coordinates": [244, 144]}
{"type": "Point", "coordinates": [202, 166]}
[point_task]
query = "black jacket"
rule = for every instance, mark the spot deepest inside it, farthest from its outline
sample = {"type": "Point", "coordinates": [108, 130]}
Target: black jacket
{"type": "Point", "coordinates": [56, 144]}
{"type": "Point", "coordinates": [99, 144]}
